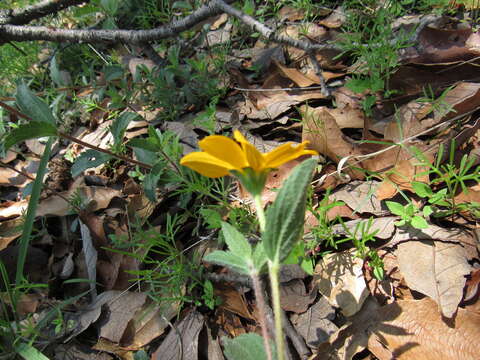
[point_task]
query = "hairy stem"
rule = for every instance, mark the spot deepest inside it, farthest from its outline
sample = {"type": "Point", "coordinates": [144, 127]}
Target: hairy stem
{"type": "Point", "coordinates": [273, 270]}
{"type": "Point", "coordinates": [257, 288]}
{"type": "Point", "coordinates": [257, 199]}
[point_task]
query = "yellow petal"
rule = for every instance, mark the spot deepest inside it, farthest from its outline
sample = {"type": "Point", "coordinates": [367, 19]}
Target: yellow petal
{"type": "Point", "coordinates": [285, 153]}
{"type": "Point", "coordinates": [224, 149]}
{"type": "Point", "coordinates": [255, 158]}
{"type": "Point", "coordinates": [206, 164]}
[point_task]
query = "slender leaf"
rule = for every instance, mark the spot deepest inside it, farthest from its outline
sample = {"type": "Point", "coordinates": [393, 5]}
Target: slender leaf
{"type": "Point", "coordinates": [33, 106]}
{"type": "Point", "coordinates": [245, 346]}
{"type": "Point", "coordinates": [285, 218]}
{"type": "Point", "coordinates": [120, 124]}
{"type": "Point", "coordinates": [151, 180]}
{"type": "Point", "coordinates": [28, 352]}
{"type": "Point", "coordinates": [31, 130]}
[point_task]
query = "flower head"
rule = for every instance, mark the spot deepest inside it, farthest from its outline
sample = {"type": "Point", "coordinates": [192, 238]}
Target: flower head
{"type": "Point", "coordinates": [221, 155]}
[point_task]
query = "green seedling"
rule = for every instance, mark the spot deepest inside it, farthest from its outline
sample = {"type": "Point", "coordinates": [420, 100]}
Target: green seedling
{"type": "Point", "coordinates": [409, 215]}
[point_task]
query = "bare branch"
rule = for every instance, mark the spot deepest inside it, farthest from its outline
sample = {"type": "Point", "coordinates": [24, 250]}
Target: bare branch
{"type": "Point", "coordinates": [37, 11]}
{"type": "Point", "coordinates": [269, 33]}
{"type": "Point", "coordinates": [27, 33]}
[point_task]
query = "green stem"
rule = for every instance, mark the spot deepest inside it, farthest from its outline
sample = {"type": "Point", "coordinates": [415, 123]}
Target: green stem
{"type": "Point", "coordinates": [273, 270]}
{"type": "Point", "coordinates": [31, 210]}
{"type": "Point", "coordinates": [261, 305]}
{"type": "Point", "coordinates": [260, 213]}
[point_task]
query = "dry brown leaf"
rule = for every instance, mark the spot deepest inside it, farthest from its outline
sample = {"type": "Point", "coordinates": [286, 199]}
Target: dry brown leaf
{"type": "Point", "coordinates": [406, 330]}
{"type": "Point", "coordinates": [335, 19]}
{"type": "Point", "coordinates": [294, 296]}
{"type": "Point", "coordinates": [325, 136]}
{"type": "Point", "coordinates": [360, 197]}
{"type": "Point", "coordinates": [290, 13]}
{"type": "Point", "coordinates": [436, 269]}
{"type": "Point", "coordinates": [339, 277]}
{"type": "Point", "coordinates": [413, 330]}
{"type": "Point", "coordinates": [233, 301]}
{"type": "Point", "coordinates": [384, 226]}
{"type": "Point", "coordinates": [315, 325]}
{"type": "Point", "coordinates": [9, 231]}
{"type": "Point", "coordinates": [118, 313]}
{"type": "Point", "coordinates": [149, 323]}
{"type": "Point", "coordinates": [296, 76]}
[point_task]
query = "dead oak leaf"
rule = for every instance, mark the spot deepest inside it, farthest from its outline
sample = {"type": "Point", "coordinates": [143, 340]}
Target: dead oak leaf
{"type": "Point", "coordinates": [436, 269]}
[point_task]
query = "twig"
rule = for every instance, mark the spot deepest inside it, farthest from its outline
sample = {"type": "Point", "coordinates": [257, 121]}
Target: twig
{"type": "Point", "coordinates": [80, 142]}
{"type": "Point", "coordinates": [37, 11]}
{"type": "Point", "coordinates": [230, 277]}
{"type": "Point", "coordinates": [269, 33]}
{"type": "Point", "coordinates": [297, 340]}
{"type": "Point", "coordinates": [318, 70]}
{"type": "Point", "coordinates": [105, 151]}
{"type": "Point", "coordinates": [10, 32]}
{"type": "Point", "coordinates": [3, 164]}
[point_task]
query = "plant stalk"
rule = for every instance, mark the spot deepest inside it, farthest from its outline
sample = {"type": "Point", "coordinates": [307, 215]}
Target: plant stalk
{"type": "Point", "coordinates": [273, 270]}
{"type": "Point", "coordinates": [31, 210]}
{"type": "Point", "coordinates": [261, 305]}
{"type": "Point", "coordinates": [257, 199]}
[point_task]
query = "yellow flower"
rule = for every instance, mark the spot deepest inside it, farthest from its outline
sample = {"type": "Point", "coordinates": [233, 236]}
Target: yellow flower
{"type": "Point", "coordinates": [222, 155]}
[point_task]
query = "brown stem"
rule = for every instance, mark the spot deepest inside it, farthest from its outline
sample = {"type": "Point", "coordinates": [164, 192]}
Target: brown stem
{"type": "Point", "coordinates": [3, 164]}
{"type": "Point", "coordinates": [80, 142]}
{"type": "Point", "coordinates": [105, 151]}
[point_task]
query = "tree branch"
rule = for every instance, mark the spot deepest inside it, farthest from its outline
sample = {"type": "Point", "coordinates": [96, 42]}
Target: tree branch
{"type": "Point", "coordinates": [27, 33]}
{"type": "Point", "coordinates": [37, 11]}
{"type": "Point", "coordinates": [269, 33]}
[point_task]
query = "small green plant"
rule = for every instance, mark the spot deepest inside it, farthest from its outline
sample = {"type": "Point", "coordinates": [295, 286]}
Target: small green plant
{"type": "Point", "coordinates": [409, 215]}
{"type": "Point", "coordinates": [323, 232]}
{"type": "Point", "coordinates": [359, 237]}
{"type": "Point", "coordinates": [370, 38]}
{"type": "Point", "coordinates": [178, 86]}
{"type": "Point", "coordinates": [447, 180]}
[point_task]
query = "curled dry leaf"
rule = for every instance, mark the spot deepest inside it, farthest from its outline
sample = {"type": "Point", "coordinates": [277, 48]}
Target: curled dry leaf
{"type": "Point", "coordinates": [436, 269]}
{"type": "Point", "coordinates": [413, 329]}
{"type": "Point", "coordinates": [182, 342]}
{"type": "Point", "coordinates": [406, 330]}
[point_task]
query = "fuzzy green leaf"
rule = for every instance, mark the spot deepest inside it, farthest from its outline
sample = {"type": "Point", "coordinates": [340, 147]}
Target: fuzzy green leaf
{"type": "Point", "coordinates": [31, 130]}
{"type": "Point", "coordinates": [245, 346]}
{"type": "Point", "coordinates": [33, 106]}
{"type": "Point", "coordinates": [236, 242]}
{"type": "Point", "coordinates": [230, 260]}
{"type": "Point", "coordinates": [285, 218]}
{"type": "Point", "coordinates": [259, 257]}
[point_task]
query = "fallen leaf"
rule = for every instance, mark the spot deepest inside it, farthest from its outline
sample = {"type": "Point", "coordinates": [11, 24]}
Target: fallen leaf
{"type": "Point", "coordinates": [315, 325]}
{"type": "Point", "coordinates": [336, 19]}
{"type": "Point", "coordinates": [383, 226]}
{"type": "Point", "coordinates": [182, 341]}
{"type": "Point", "coordinates": [118, 313]}
{"type": "Point", "coordinates": [339, 277]}
{"type": "Point", "coordinates": [294, 297]}
{"type": "Point", "coordinates": [436, 269]}
{"type": "Point", "coordinates": [413, 329]}
{"type": "Point", "coordinates": [360, 197]}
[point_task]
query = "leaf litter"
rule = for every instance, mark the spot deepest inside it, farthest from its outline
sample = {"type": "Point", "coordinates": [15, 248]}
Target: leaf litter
{"type": "Point", "coordinates": [429, 290]}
